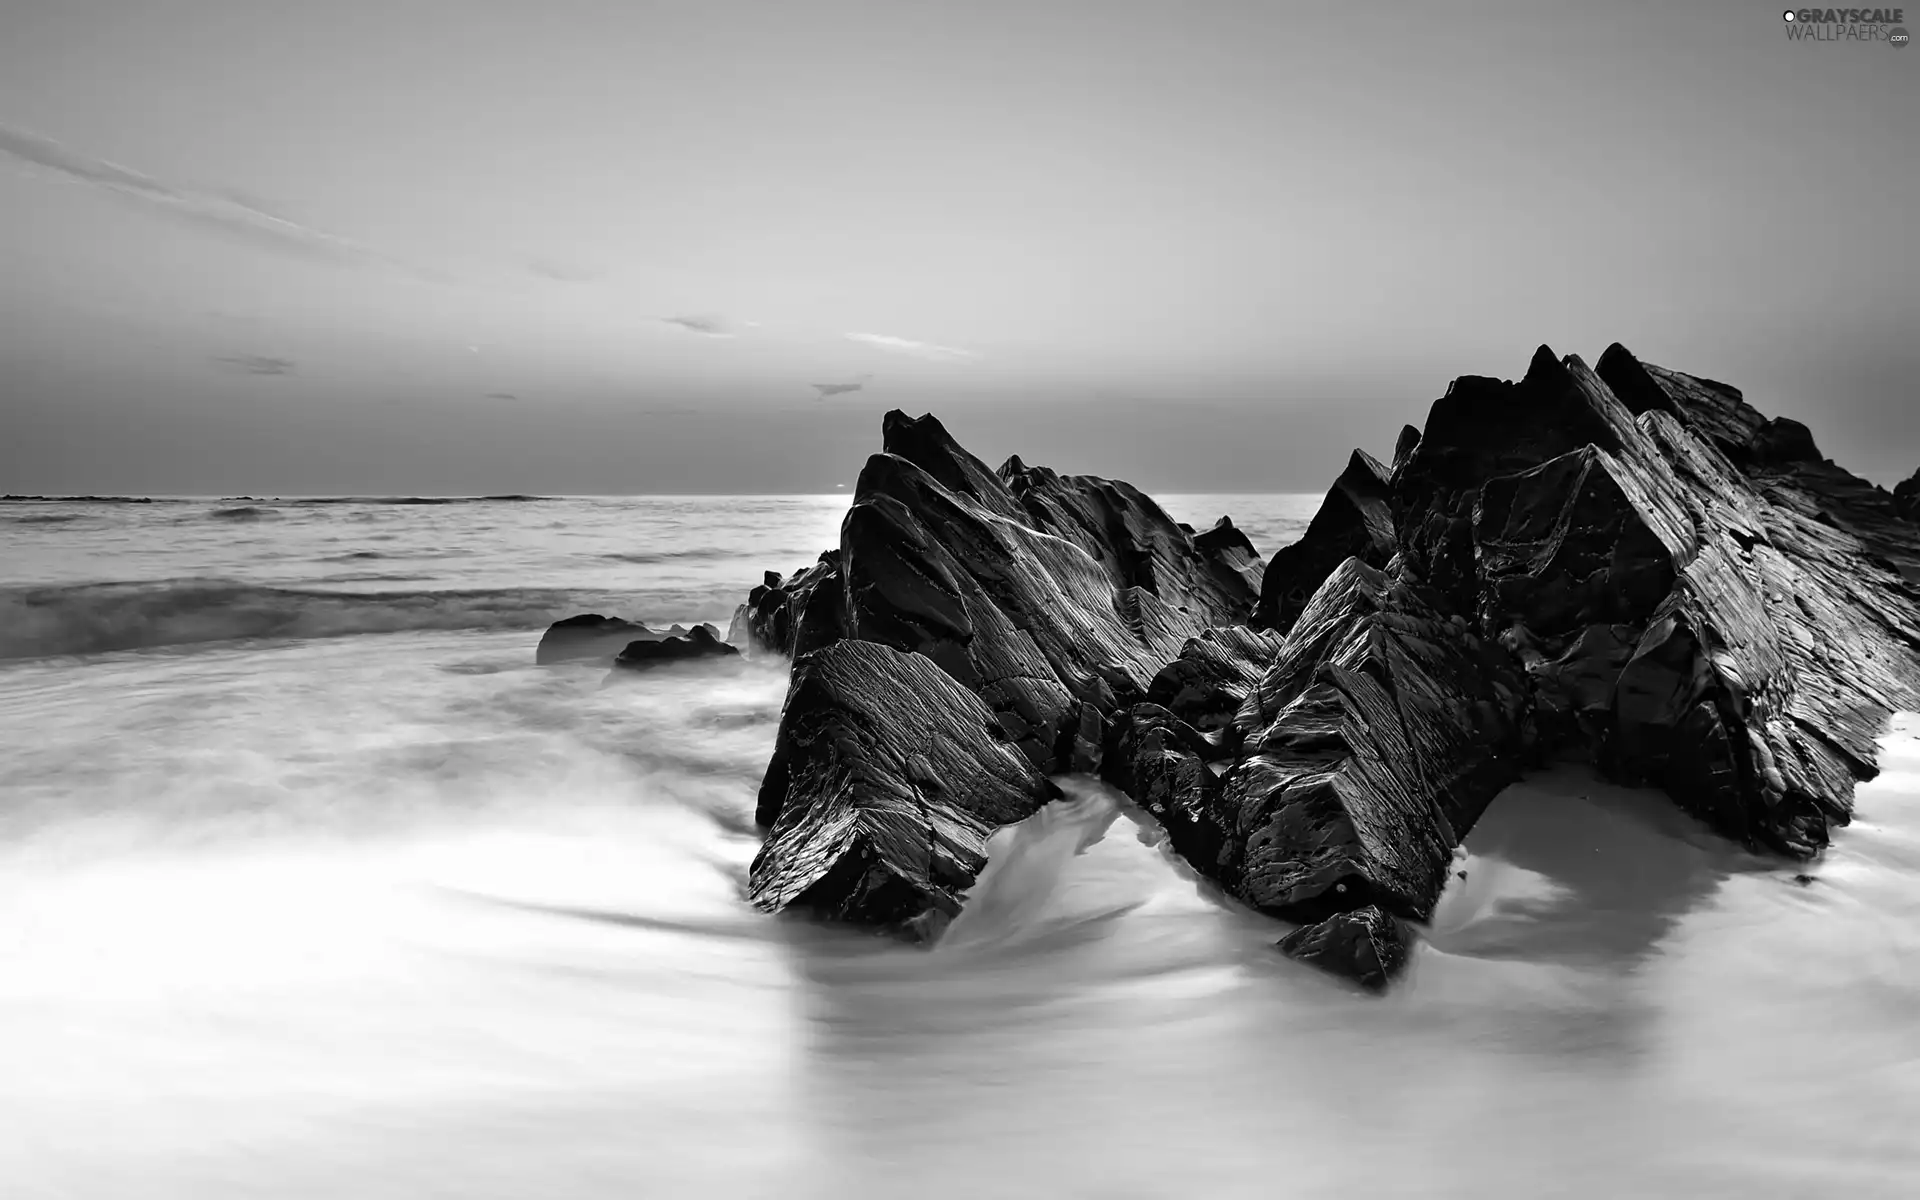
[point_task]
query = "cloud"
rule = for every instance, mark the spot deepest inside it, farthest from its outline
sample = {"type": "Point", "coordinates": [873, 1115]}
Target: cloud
{"type": "Point", "coordinates": [899, 345]}
{"type": "Point", "coordinates": [257, 364]}
{"type": "Point", "coordinates": [706, 325]}
{"type": "Point", "coordinates": [220, 212]}
{"type": "Point", "coordinates": [501, 396]}
{"type": "Point", "coordinates": [837, 389]}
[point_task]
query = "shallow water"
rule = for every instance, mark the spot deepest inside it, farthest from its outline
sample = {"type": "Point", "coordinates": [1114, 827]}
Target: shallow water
{"type": "Point", "coordinates": [396, 914]}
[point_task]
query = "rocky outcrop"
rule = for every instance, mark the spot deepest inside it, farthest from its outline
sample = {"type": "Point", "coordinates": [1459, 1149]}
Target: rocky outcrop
{"type": "Point", "coordinates": [791, 616]}
{"type": "Point", "coordinates": [1135, 542]}
{"type": "Point", "coordinates": [1208, 683]}
{"type": "Point", "coordinates": [1354, 521]}
{"type": "Point", "coordinates": [702, 641]}
{"type": "Point", "coordinates": [1626, 565]}
{"type": "Point", "coordinates": [589, 637]}
{"type": "Point", "coordinates": [1367, 748]}
{"type": "Point", "coordinates": [888, 778]}
{"type": "Point", "coordinates": [1906, 497]}
{"type": "Point", "coordinates": [1051, 600]}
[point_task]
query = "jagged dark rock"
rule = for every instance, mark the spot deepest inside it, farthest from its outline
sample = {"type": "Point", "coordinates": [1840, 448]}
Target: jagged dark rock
{"type": "Point", "coordinates": [702, 641]}
{"type": "Point", "coordinates": [588, 636]}
{"type": "Point", "coordinates": [1051, 600]}
{"type": "Point", "coordinates": [1354, 521]}
{"type": "Point", "coordinates": [1629, 566]}
{"type": "Point", "coordinates": [1139, 546]}
{"type": "Point", "coordinates": [887, 779]}
{"type": "Point", "coordinates": [1367, 945]}
{"type": "Point", "coordinates": [1210, 680]}
{"type": "Point", "coordinates": [1368, 747]}
{"type": "Point", "coordinates": [1405, 445]}
{"type": "Point", "coordinates": [1906, 497]}
{"type": "Point", "coordinates": [792, 616]}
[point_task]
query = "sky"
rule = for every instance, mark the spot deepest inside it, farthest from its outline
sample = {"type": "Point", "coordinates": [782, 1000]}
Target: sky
{"type": "Point", "coordinates": [569, 247]}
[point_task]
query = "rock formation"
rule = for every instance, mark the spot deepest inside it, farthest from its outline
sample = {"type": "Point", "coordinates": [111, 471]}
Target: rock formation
{"type": "Point", "coordinates": [1906, 497]}
{"type": "Point", "coordinates": [702, 641]}
{"type": "Point", "coordinates": [588, 636]}
{"type": "Point", "coordinates": [1626, 565]}
{"type": "Point", "coordinates": [1355, 521]}
{"type": "Point", "coordinates": [1051, 600]}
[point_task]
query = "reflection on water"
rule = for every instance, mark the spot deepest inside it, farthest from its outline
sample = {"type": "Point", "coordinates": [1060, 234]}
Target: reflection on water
{"type": "Point", "coordinates": [403, 917]}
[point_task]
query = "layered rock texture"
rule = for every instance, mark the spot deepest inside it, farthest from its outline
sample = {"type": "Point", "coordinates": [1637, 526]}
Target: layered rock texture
{"type": "Point", "coordinates": [969, 638]}
{"type": "Point", "coordinates": [1627, 565]}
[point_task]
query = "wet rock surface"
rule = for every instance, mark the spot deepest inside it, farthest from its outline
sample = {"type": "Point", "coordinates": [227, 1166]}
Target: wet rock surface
{"type": "Point", "coordinates": [1906, 497]}
{"type": "Point", "coordinates": [702, 641]}
{"type": "Point", "coordinates": [1628, 566]}
{"type": "Point", "coordinates": [1367, 945]}
{"type": "Point", "coordinates": [1050, 601]}
{"type": "Point", "coordinates": [589, 637]}
{"type": "Point", "coordinates": [888, 778]}
{"type": "Point", "coordinates": [1354, 521]}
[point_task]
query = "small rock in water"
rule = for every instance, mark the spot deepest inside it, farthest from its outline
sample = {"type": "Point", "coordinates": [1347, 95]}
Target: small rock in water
{"type": "Point", "coordinates": [586, 637]}
{"type": "Point", "coordinates": [701, 642]}
{"type": "Point", "coordinates": [1367, 945]}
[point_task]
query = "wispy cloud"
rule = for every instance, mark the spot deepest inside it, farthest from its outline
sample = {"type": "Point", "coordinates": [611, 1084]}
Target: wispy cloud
{"type": "Point", "coordinates": [839, 389]}
{"type": "Point", "coordinates": [900, 345]}
{"type": "Point", "coordinates": [257, 364]}
{"type": "Point", "coordinates": [704, 324]}
{"type": "Point", "coordinates": [221, 212]}
{"type": "Point", "coordinates": [501, 396]}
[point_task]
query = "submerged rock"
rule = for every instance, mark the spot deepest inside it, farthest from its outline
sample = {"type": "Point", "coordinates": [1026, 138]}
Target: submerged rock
{"type": "Point", "coordinates": [587, 637]}
{"type": "Point", "coordinates": [702, 641]}
{"type": "Point", "coordinates": [1367, 945]}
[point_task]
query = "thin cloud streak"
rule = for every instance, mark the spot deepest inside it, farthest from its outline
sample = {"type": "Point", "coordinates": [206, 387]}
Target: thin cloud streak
{"type": "Point", "coordinates": [207, 210]}
{"type": "Point", "coordinates": [839, 389]}
{"type": "Point", "coordinates": [900, 345]}
{"type": "Point", "coordinates": [704, 325]}
{"type": "Point", "coordinates": [258, 364]}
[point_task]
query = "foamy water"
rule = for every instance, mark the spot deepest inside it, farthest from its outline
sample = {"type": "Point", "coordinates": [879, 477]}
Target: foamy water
{"type": "Point", "coordinates": [362, 908]}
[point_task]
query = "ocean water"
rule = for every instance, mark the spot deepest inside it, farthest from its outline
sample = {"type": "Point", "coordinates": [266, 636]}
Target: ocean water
{"type": "Point", "coordinates": [312, 885]}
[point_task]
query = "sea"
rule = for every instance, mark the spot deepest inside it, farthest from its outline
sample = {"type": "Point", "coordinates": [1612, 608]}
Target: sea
{"type": "Point", "coordinates": [313, 885]}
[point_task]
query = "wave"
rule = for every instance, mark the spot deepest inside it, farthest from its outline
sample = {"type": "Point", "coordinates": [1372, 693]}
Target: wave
{"type": "Point", "coordinates": [353, 556]}
{"type": "Point", "coordinates": [245, 512]}
{"type": "Point", "coordinates": [302, 501]}
{"type": "Point", "coordinates": [39, 622]}
{"type": "Point", "coordinates": [509, 498]}
{"type": "Point", "coordinates": [46, 518]}
{"type": "Point", "coordinates": [661, 556]}
{"type": "Point", "coordinates": [16, 499]}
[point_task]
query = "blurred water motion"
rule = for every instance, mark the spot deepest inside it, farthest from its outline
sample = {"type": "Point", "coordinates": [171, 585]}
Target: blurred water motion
{"type": "Point", "coordinates": [399, 915]}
